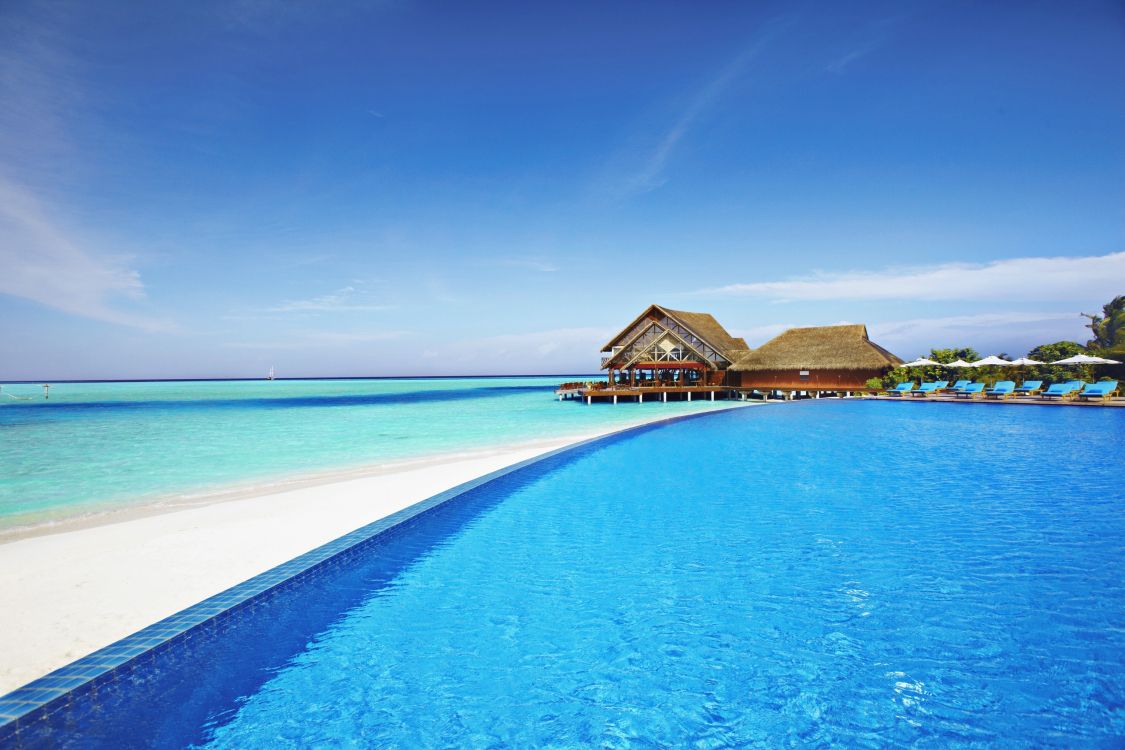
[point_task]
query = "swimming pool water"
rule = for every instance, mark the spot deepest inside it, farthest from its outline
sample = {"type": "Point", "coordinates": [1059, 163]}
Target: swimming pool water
{"type": "Point", "coordinates": [818, 574]}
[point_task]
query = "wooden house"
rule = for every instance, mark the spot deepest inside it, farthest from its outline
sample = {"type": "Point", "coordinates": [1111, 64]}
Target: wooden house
{"type": "Point", "coordinates": [666, 352]}
{"type": "Point", "coordinates": [824, 358]}
{"type": "Point", "coordinates": [662, 347]}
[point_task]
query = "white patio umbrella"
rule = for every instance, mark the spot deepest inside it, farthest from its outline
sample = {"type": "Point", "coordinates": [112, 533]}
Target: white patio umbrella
{"type": "Point", "coordinates": [960, 363]}
{"type": "Point", "coordinates": [990, 362]}
{"type": "Point", "coordinates": [1025, 362]}
{"type": "Point", "coordinates": [921, 362]}
{"type": "Point", "coordinates": [1086, 359]}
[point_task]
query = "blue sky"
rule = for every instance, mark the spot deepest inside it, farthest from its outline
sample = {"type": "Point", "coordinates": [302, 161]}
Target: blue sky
{"type": "Point", "coordinates": [433, 188]}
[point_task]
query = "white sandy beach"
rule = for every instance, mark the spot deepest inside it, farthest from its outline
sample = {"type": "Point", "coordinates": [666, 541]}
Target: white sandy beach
{"type": "Point", "coordinates": [66, 594]}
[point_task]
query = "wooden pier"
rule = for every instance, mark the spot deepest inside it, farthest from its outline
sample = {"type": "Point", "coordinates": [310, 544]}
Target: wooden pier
{"type": "Point", "coordinates": [656, 393]}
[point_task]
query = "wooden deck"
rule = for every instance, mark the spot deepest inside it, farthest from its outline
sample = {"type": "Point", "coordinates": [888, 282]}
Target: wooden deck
{"type": "Point", "coordinates": [694, 392]}
{"type": "Point", "coordinates": [656, 393]}
{"type": "Point", "coordinates": [712, 392]}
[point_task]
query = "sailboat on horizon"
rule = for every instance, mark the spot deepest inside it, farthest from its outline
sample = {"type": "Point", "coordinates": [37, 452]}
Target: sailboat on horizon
{"type": "Point", "coordinates": [270, 376]}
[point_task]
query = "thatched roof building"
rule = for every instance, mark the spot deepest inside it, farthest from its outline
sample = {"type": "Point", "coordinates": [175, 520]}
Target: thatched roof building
{"type": "Point", "coordinates": [663, 338]}
{"type": "Point", "coordinates": [822, 358]}
{"type": "Point", "coordinates": [677, 348]}
{"type": "Point", "coordinates": [845, 347]}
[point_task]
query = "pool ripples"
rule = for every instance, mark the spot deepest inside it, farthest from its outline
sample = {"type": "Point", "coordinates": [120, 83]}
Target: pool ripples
{"type": "Point", "coordinates": [776, 602]}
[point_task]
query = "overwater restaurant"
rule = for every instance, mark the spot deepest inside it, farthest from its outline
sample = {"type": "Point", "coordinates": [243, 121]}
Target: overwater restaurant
{"type": "Point", "coordinates": [665, 351]}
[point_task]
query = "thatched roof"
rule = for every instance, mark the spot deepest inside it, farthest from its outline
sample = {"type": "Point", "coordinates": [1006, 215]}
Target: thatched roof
{"type": "Point", "coordinates": [820, 348]}
{"type": "Point", "coordinates": [703, 325]}
{"type": "Point", "coordinates": [709, 329]}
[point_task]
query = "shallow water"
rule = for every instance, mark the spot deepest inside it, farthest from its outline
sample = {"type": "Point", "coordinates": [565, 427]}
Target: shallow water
{"type": "Point", "coordinates": [102, 446]}
{"type": "Point", "coordinates": [818, 574]}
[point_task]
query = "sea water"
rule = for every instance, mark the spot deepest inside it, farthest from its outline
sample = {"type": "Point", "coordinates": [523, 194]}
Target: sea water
{"type": "Point", "coordinates": [95, 447]}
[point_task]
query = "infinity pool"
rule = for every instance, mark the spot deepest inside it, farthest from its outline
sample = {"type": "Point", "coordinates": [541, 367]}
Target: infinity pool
{"type": "Point", "coordinates": [852, 574]}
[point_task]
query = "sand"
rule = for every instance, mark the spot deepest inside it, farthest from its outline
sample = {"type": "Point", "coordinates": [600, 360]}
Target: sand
{"type": "Point", "coordinates": [67, 593]}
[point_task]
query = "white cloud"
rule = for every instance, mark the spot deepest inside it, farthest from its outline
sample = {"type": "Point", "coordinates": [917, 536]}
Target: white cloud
{"type": "Point", "coordinates": [42, 91]}
{"type": "Point", "coordinates": [41, 259]}
{"type": "Point", "coordinates": [42, 262]}
{"type": "Point", "coordinates": [993, 332]}
{"type": "Point", "coordinates": [558, 350]}
{"type": "Point", "coordinates": [1065, 278]}
{"type": "Point", "coordinates": [649, 175]}
{"type": "Point", "coordinates": [341, 300]}
{"type": "Point", "coordinates": [866, 41]}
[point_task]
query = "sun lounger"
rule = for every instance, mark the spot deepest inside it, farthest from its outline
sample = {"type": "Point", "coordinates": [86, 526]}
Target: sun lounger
{"type": "Point", "coordinates": [1103, 390]}
{"type": "Point", "coordinates": [960, 385]}
{"type": "Point", "coordinates": [1030, 388]}
{"type": "Point", "coordinates": [1062, 390]}
{"type": "Point", "coordinates": [972, 390]}
{"type": "Point", "coordinates": [928, 389]}
{"type": "Point", "coordinates": [900, 389]}
{"type": "Point", "coordinates": [1001, 390]}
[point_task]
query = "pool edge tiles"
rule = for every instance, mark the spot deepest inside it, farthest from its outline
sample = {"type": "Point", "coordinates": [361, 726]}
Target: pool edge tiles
{"type": "Point", "coordinates": [41, 697]}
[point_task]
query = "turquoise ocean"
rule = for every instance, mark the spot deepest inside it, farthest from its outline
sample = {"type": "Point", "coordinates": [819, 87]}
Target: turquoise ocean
{"type": "Point", "coordinates": [97, 447]}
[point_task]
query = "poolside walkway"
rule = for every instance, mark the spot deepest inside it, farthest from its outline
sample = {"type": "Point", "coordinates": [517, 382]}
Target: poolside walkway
{"type": "Point", "coordinates": [1025, 401]}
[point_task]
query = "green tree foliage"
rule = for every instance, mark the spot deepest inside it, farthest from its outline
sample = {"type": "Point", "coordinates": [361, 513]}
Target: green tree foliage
{"type": "Point", "coordinates": [967, 353]}
{"type": "Point", "coordinates": [1108, 330]}
{"type": "Point", "coordinates": [1057, 373]}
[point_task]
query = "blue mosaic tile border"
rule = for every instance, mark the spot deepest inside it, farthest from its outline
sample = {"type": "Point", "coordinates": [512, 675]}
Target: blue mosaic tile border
{"type": "Point", "coordinates": [38, 699]}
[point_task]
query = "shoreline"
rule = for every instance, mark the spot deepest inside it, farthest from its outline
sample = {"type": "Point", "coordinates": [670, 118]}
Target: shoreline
{"type": "Point", "coordinates": [66, 593]}
{"type": "Point", "coordinates": [158, 504]}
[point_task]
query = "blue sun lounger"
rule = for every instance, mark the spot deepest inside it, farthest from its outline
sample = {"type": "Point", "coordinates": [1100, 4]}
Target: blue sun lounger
{"type": "Point", "coordinates": [1001, 390]}
{"type": "Point", "coordinates": [900, 389]}
{"type": "Point", "coordinates": [1030, 388]}
{"type": "Point", "coordinates": [928, 389]}
{"type": "Point", "coordinates": [960, 385]}
{"type": "Point", "coordinates": [1103, 390]}
{"type": "Point", "coordinates": [1062, 390]}
{"type": "Point", "coordinates": [972, 390]}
